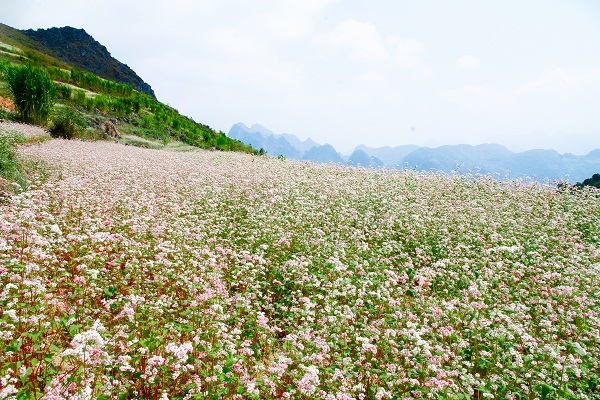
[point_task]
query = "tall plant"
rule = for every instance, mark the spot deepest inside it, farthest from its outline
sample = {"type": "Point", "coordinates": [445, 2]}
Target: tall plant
{"type": "Point", "coordinates": [33, 90]}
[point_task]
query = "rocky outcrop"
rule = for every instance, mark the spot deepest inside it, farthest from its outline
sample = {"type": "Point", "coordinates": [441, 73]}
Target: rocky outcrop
{"type": "Point", "coordinates": [110, 129]}
{"type": "Point", "coordinates": [76, 47]}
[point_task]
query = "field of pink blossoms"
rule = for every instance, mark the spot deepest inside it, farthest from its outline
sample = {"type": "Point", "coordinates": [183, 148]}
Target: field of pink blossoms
{"type": "Point", "coordinates": [135, 273]}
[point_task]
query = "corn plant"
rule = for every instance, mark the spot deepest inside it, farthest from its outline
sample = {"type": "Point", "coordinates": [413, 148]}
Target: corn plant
{"type": "Point", "coordinates": [33, 91]}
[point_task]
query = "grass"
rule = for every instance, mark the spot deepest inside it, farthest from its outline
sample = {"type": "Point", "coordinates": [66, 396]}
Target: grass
{"type": "Point", "coordinates": [135, 273]}
{"type": "Point", "coordinates": [12, 179]}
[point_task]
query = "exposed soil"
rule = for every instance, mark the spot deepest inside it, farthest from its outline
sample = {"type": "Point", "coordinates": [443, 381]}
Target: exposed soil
{"type": "Point", "coordinates": [7, 104]}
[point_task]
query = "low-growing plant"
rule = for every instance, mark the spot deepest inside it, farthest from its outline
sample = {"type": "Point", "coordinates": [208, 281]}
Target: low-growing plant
{"type": "Point", "coordinates": [10, 170]}
{"type": "Point", "coordinates": [33, 90]}
{"type": "Point", "coordinates": [7, 115]}
{"type": "Point", "coordinates": [142, 143]}
{"type": "Point", "coordinates": [66, 123]}
{"type": "Point", "coordinates": [209, 275]}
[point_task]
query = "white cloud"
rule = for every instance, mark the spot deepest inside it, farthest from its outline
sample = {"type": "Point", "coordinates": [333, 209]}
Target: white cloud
{"type": "Point", "coordinates": [467, 62]}
{"type": "Point", "coordinates": [360, 40]}
{"type": "Point", "coordinates": [560, 81]}
{"type": "Point", "coordinates": [407, 53]}
{"type": "Point", "coordinates": [479, 99]}
{"type": "Point", "coordinates": [289, 20]}
{"type": "Point", "coordinates": [247, 60]}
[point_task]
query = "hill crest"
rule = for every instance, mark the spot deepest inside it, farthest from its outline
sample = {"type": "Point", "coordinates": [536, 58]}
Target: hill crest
{"type": "Point", "coordinates": [78, 48]}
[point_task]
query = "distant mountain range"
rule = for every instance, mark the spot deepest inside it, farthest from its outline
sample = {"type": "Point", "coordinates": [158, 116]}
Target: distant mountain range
{"type": "Point", "coordinates": [487, 159]}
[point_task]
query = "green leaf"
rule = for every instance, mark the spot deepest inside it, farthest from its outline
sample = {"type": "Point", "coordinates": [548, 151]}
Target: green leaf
{"type": "Point", "coordinates": [23, 395]}
{"type": "Point", "coordinates": [546, 389]}
{"type": "Point", "coordinates": [74, 329]}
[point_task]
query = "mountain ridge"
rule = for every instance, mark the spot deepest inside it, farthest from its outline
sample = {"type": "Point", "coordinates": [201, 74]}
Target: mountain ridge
{"type": "Point", "coordinates": [487, 158]}
{"type": "Point", "coordinates": [79, 49]}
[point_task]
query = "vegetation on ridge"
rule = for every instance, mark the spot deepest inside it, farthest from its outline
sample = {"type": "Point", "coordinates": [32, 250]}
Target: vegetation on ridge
{"type": "Point", "coordinates": [594, 181]}
{"type": "Point", "coordinates": [79, 49]}
{"type": "Point", "coordinates": [98, 99]}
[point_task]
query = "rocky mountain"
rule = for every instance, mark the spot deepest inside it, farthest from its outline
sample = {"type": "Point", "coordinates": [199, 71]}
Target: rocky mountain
{"type": "Point", "coordinates": [487, 159]}
{"type": "Point", "coordinates": [274, 144]}
{"type": "Point", "coordinates": [285, 144]}
{"type": "Point", "coordinates": [302, 145]}
{"type": "Point", "coordinates": [77, 48]}
{"type": "Point", "coordinates": [141, 120]}
{"type": "Point", "coordinates": [359, 158]}
{"type": "Point", "coordinates": [260, 137]}
{"type": "Point", "coordinates": [497, 160]}
{"type": "Point", "coordinates": [392, 157]}
{"type": "Point", "coordinates": [323, 154]}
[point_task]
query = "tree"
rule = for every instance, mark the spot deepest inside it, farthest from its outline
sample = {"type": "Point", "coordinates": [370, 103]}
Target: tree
{"type": "Point", "coordinates": [594, 181]}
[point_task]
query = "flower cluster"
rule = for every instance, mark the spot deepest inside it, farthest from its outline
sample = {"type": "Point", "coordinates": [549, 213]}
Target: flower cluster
{"type": "Point", "coordinates": [135, 273]}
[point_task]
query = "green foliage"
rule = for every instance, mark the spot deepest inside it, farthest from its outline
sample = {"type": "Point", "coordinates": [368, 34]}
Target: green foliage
{"type": "Point", "coordinates": [91, 82]}
{"type": "Point", "coordinates": [8, 115]}
{"type": "Point", "coordinates": [594, 181]}
{"type": "Point", "coordinates": [33, 90]}
{"type": "Point", "coordinates": [153, 119]}
{"type": "Point", "coordinates": [9, 166]}
{"type": "Point", "coordinates": [122, 106]}
{"type": "Point", "coordinates": [64, 92]}
{"type": "Point", "coordinates": [67, 123]}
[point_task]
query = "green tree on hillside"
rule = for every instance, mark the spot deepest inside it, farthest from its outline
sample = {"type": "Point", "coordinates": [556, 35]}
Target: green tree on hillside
{"type": "Point", "coordinates": [33, 91]}
{"type": "Point", "coordinates": [594, 181]}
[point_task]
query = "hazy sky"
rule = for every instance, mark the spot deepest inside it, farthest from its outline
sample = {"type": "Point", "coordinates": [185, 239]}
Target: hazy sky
{"type": "Point", "coordinates": [523, 73]}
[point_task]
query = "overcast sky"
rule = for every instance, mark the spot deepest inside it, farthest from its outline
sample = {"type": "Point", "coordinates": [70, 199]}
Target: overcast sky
{"type": "Point", "coordinates": [523, 73]}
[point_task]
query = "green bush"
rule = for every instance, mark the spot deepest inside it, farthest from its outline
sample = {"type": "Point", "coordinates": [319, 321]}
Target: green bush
{"type": "Point", "coordinates": [65, 92]}
{"type": "Point", "coordinates": [79, 96]}
{"type": "Point", "coordinates": [33, 90]}
{"type": "Point", "coordinates": [66, 124]}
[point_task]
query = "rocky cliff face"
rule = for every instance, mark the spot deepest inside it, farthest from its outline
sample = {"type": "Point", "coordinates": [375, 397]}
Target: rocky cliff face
{"type": "Point", "coordinates": [78, 48]}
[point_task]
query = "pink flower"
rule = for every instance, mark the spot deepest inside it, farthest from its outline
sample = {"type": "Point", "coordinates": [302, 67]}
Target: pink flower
{"type": "Point", "coordinates": [262, 320]}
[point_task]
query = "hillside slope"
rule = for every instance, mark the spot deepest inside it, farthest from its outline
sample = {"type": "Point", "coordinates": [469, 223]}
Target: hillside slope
{"type": "Point", "coordinates": [138, 115]}
{"type": "Point", "coordinates": [79, 49]}
{"type": "Point", "coordinates": [15, 46]}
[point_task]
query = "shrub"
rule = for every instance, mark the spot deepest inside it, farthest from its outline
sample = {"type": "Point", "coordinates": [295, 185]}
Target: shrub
{"type": "Point", "coordinates": [79, 96]}
{"type": "Point", "coordinates": [65, 92]}
{"type": "Point", "coordinates": [67, 124]}
{"type": "Point", "coordinates": [33, 90]}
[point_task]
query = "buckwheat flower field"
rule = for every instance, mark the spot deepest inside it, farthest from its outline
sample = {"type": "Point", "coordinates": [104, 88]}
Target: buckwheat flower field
{"type": "Point", "coordinates": [146, 274]}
